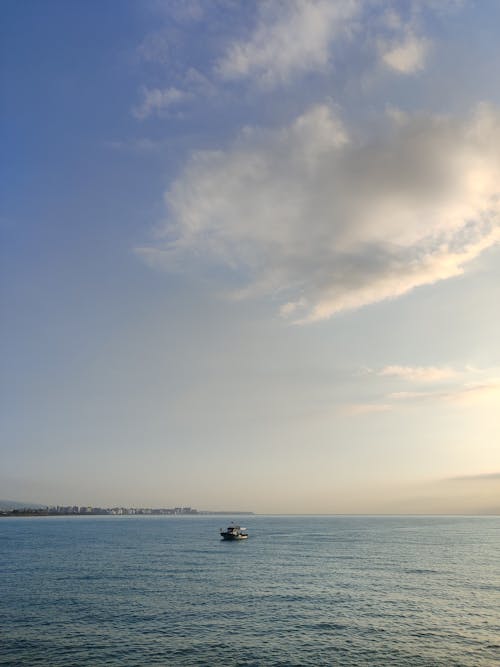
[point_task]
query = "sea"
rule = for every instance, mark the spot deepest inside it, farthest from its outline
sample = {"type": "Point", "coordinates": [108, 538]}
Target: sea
{"type": "Point", "coordinates": [302, 590]}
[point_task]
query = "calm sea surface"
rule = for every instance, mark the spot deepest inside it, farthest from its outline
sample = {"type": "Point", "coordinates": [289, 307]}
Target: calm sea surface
{"type": "Point", "coordinates": [123, 591]}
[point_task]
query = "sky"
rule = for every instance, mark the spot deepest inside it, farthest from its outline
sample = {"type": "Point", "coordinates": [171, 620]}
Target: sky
{"type": "Point", "coordinates": [250, 255]}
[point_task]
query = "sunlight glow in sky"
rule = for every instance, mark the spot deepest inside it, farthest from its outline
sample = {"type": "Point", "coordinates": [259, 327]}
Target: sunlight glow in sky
{"type": "Point", "coordinates": [250, 254]}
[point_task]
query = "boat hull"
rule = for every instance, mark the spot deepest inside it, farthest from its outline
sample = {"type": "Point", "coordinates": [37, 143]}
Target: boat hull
{"type": "Point", "coordinates": [232, 538]}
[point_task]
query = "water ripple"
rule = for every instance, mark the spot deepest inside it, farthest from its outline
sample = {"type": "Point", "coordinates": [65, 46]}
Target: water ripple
{"type": "Point", "coordinates": [350, 591]}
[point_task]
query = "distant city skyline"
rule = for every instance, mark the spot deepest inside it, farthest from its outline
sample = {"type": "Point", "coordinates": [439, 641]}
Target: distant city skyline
{"type": "Point", "coordinates": [250, 255]}
{"type": "Point", "coordinates": [21, 509]}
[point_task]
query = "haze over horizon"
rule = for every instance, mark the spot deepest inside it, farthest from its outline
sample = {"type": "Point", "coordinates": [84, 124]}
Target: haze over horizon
{"type": "Point", "coordinates": [250, 255]}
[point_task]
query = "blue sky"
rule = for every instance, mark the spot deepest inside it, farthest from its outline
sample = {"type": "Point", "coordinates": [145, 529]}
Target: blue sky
{"type": "Point", "coordinates": [250, 255]}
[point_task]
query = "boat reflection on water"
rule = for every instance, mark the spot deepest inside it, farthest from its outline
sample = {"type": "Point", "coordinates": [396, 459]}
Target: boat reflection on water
{"type": "Point", "coordinates": [234, 532]}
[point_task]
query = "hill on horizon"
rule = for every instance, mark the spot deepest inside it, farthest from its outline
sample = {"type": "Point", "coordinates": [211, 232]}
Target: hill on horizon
{"type": "Point", "coordinates": [19, 505]}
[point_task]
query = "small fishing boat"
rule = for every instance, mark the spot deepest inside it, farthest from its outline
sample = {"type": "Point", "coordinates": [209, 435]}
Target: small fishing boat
{"type": "Point", "coordinates": [233, 532]}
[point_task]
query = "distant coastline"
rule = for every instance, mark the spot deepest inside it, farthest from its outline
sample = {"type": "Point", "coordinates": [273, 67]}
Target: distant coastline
{"type": "Point", "coordinates": [75, 510]}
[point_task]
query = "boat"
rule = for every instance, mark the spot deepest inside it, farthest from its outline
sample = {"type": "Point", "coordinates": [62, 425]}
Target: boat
{"type": "Point", "coordinates": [233, 532]}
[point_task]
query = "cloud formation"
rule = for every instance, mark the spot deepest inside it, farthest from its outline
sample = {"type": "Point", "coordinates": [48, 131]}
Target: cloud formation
{"type": "Point", "coordinates": [419, 373]}
{"type": "Point", "coordinates": [290, 38]}
{"type": "Point", "coordinates": [331, 222]}
{"type": "Point", "coordinates": [465, 388]}
{"type": "Point", "coordinates": [157, 101]}
{"type": "Point", "coordinates": [487, 476]}
{"type": "Point", "coordinates": [406, 56]}
{"type": "Point", "coordinates": [475, 393]}
{"type": "Point", "coordinates": [468, 394]}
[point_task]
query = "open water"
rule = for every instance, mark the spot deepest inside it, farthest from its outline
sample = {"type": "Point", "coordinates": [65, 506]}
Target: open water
{"type": "Point", "coordinates": [134, 591]}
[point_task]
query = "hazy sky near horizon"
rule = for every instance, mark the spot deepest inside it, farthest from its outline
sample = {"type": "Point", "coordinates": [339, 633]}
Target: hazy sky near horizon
{"type": "Point", "coordinates": [250, 254]}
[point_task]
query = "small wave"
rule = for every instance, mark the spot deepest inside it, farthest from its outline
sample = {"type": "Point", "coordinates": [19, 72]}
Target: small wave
{"type": "Point", "coordinates": [329, 625]}
{"type": "Point", "coordinates": [420, 570]}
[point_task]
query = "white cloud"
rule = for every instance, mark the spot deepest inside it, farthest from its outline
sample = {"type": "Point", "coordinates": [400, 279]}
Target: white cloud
{"type": "Point", "coordinates": [480, 477]}
{"type": "Point", "coordinates": [330, 223]}
{"type": "Point", "coordinates": [407, 55]}
{"type": "Point", "coordinates": [467, 387]}
{"type": "Point", "coordinates": [467, 394]}
{"type": "Point", "coordinates": [419, 373]}
{"type": "Point", "coordinates": [475, 393]}
{"type": "Point", "coordinates": [157, 101]}
{"type": "Point", "coordinates": [291, 37]}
